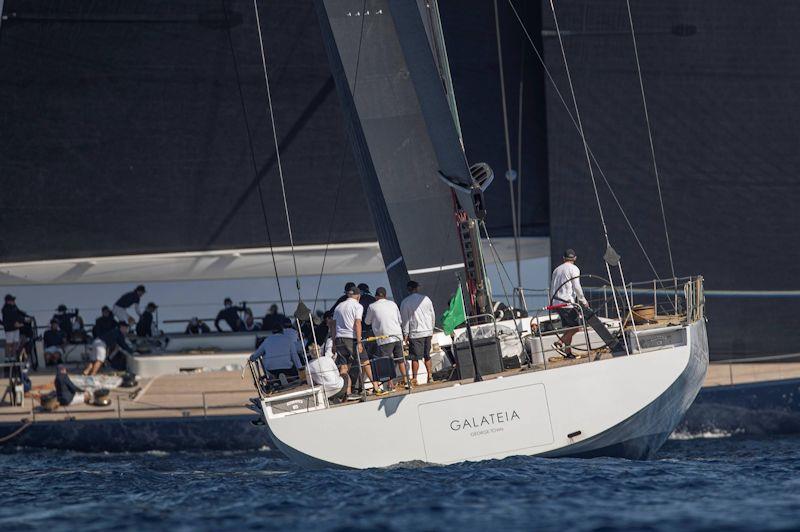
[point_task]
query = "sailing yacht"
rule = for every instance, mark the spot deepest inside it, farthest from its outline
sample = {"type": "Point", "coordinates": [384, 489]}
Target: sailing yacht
{"type": "Point", "coordinates": [641, 366]}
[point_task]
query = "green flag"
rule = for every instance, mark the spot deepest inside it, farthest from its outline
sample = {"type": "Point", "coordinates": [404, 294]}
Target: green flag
{"type": "Point", "coordinates": [455, 315]}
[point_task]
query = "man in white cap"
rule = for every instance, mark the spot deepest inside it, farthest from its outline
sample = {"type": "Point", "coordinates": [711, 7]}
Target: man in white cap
{"type": "Point", "coordinates": [565, 285]}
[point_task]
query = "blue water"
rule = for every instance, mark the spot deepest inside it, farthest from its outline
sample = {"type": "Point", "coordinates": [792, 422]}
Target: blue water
{"type": "Point", "coordinates": [733, 483]}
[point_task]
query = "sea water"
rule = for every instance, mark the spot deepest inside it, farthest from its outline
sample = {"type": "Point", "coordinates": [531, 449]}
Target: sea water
{"type": "Point", "coordinates": [709, 481]}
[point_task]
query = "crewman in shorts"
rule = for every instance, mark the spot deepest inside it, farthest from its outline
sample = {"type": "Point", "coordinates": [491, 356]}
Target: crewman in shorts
{"type": "Point", "coordinates": [346, 337]}
{"type": "Point", "coordinates": [419, 318]}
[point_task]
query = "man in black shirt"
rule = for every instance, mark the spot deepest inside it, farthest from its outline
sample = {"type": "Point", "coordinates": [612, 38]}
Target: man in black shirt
{"type": "Point", "coordinates": [107, 346]}
{"type": "Point", "coordinates": [54, 342]}
{"type": "Point", "coordinates": [104, 323]}
{"type": "Point", "coordinates": [196, 327]}
{"type": "Point", "coordinates": [13, 321]}
{"type": "Point", "coordinates": [64, 320]}
{"type": "Point", "coordinates": [230, 315]}
{"type": "Point", "coordinates": [145, 328]}
{"type": "Point", "coordinates": [272, 319]}
{"type": "Point", "coordinates": [127, 300]}
{"type": "Point", "coordinates": [66, 391]}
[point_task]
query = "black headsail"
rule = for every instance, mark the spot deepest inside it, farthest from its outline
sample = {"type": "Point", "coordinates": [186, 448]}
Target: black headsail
{"type": "Point", "coordinates": [403, 134]}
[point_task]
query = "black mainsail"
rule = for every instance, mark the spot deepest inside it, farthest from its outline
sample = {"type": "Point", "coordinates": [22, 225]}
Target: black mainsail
{"type": "Point", "coordinates": [403, 134]}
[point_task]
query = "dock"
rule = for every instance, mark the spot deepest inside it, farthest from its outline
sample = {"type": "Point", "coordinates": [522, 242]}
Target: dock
{"type": "Point", "coordinates": [208, 410]}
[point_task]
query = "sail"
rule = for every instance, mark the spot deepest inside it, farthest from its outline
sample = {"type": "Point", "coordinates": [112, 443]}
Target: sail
{"type": "Point", "coordinates": [400, 124]}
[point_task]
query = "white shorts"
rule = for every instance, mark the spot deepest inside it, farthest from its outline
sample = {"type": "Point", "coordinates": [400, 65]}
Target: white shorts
{"type": "Point", "coordinates": [120, 313]}
{"type": "Point", "coordinates": [99, 350]}
{"type": "Point", "coordinates": [12, 337]}
{"type": "Point", "coordinates": [54, 349]}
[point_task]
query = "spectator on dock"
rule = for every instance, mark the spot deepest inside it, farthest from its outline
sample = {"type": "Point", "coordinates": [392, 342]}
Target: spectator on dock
{"type": "Point", "coordinates": [104, 323]}
{"type": "Point", "coordinates": [325, 373]}
{"type": "Point", "coordinates": [13, 322]}
{"type": "Point", "coordinates": [54, 341]}
{"type": "Point", "coordinates": [230, 315]}
{"type": "Point", "coordinates": [250, 324]}
{"type": "Point", "coordinates": [107, 347]}
{"type": "Point", "coordinates": [272, 319]}
{"type": "Point", "coordinates": [147, 326]}
{"type": "Point", "coordinates": [280, 352]}
{"type": "Point", "coordinates": [127, 300]}
{"type": "Point", "coordinates": [196, 326]}
{"type": "Point", "coordinates": [64, 319]}
{"type": "Point", "coordinates": [66, 392]}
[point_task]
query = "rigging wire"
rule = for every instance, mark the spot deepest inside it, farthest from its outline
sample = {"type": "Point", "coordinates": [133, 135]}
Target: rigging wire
{"type": "Point", "coordinates": [277, 149]}
{"type": "Point", "coordinates": [253, 155]}
{"type": "Point", "coordinates": [507, 139]}
{"type": "Point", "coordinates": [575, 124]}
{"type": "Point", "coordinates": [650, 137]}
{"type": "Point", "coordinates": [341, 166]}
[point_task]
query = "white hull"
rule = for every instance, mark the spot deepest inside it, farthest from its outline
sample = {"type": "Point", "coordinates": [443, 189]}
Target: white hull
{"type": "Point", "coordinates": [625, 406]}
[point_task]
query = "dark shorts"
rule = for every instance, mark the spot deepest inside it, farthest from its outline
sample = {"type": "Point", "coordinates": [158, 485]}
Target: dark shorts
{"type": "Point", "coordinates": [419, 348]}
{"type": "Point", "coordinates": [392, 349]}
{"type": "Point", "coordinates": [346, 352]}
{"type": "Point", "coordinates": [569, 317]}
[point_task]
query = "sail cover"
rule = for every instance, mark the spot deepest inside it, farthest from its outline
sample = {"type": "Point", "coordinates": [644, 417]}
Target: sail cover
{"type": "Point", "coordinates": [403, 134]}
{"type": "Point", "coordinates": [722, 94]}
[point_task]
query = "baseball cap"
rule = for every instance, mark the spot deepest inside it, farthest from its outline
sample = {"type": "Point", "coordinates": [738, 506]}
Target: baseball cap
{"type": "Point", "coordinates": [570, 254]}
{"type": "Point", "coordinates": [9, 297]}
{"type": "Point", "coordinates": [348, 286]}
{"type": "Point", "coordinates": [353, 291]}
{"type": "Point", "coordinates": [364, 287]}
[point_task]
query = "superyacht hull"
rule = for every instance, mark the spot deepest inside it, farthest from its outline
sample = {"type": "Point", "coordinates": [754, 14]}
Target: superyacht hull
{"type": "Point", "coordinates": [624, 406]}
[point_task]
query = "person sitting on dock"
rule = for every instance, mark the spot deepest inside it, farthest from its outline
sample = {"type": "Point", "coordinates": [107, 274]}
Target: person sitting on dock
{"type": "Point", "coordinates": [107, 346]}
{"type": "Point", "coordinates": [67, 393]}
{"type": "Point", "coordinates": [197, 326]}
{"type": "Point", "coordinates": [346, 335]}
{"type": "Point", "coordinates": [146, 327]}
{"type": "Point", "coordinates": [566, 288]}
{"type": "Point", "coordinates": [250, 324]}
{"type": "Point", "coordinates": [325, 373]}
{"type": "Point", "coordinates": [384, 318]}
{"type": "Point", "coordinates": [104, 323]}
{"type": "Point", "coordinates": [272, 319]}
{"type": "Point", "coordinates": [280, 352]}
{"type": "Point", "coordinates": [54, 342]}
{"type": "Point", "coordinates": [127, 300]}
{"type": "Point", "coordinates": [419, 318]}
{"type": "Point", "coordinates": [229, 314]}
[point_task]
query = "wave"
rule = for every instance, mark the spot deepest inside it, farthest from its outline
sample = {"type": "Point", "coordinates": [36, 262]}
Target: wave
{"type": "Point", "coordinates": [707, 434]}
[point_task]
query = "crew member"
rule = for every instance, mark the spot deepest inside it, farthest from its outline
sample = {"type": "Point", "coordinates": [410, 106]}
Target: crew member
{"type": "Point", "coordinates": [54, 342]}
{"type": "Point", "coordinates": [104, 323]}
{"type": "Point", "coordinates": [196, 326]}
{"type": "Point", "coordinates": [384, 318]}
{"type": "Point", "coordinates": [280, 352]}
{"type": "Point", "coordinates": [127, 300]}
{"type": "Point", "coordinates": [249, 323]}
{"type": "Point", "coordinates": [324, 373]}
{"type": "Point", "coordinates": [147, 327]}
{"type": "Point", "coordinates": [419, 318]}
{"type": "Point", "coordinates": [346, 337]}
{"type": "Point", "coordinates": [229, 314]}
{"type": "Point", "coordinates": [107, 346]}
{"type": "Point", "coordinates": [66, 392]}
{"type": "Point", "coordinates": [64, 320]}
{"type": "Point", "coordinates": [565, 285]}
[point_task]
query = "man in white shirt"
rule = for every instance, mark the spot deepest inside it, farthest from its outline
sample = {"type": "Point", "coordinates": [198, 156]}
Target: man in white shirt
{"type": "Point", "coordinates": [565, 285]}
{"type": "Point", "coordinates": [324, 373]}
{"type": "Point", "coordinates": [384, 318]}
{"type": "Point", "coordinates": [346, 335]}
{"type": "Point", "coordinates": [280, 352]}
{"type": "Point", "coordinates": [418, 317]}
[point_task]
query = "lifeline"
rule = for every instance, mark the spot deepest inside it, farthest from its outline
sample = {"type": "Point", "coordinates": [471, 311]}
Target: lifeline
{"type": "Point", "coordinates": [490, 419]}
